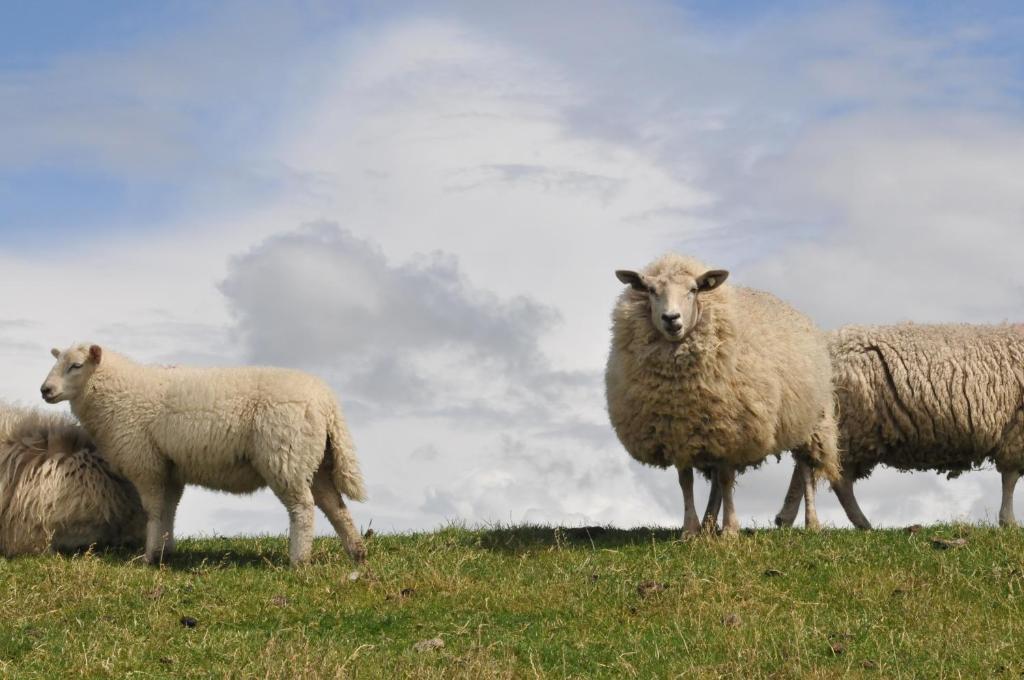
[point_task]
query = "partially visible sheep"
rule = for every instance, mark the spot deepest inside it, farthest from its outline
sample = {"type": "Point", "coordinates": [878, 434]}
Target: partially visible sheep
{"type": "Point", "coordinates": [716, 377]}
{"type": "Point", "coordinates": [927, 397]}
{"type": "Point", "coordinates": [232, 429]}
{"type": "Point", "coordinates": [56, 491]}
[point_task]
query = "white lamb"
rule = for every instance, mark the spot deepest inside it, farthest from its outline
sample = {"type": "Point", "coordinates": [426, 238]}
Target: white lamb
{"type": "Point", "coordinates": [232, 429]}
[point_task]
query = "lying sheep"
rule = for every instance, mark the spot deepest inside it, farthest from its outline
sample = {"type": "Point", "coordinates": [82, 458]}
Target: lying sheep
{"type": "Point", "coordinates": [918, 397]}
{"type": "Point", "coordinates": [56, 492]}
{"type": "Point", "coordinates": [232, 429]}
{"type": "Point", "coordinates": [716, 377]}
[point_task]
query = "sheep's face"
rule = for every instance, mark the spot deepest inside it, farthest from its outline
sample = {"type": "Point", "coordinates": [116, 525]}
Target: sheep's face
{"type": "Point", "coordinates": [71, 373]}
{"type": "Point", "coordinates": [675, 308]}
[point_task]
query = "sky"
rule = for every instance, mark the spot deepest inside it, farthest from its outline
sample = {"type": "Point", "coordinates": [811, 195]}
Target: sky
{"type": "Point", "coordinates": [424, 204]}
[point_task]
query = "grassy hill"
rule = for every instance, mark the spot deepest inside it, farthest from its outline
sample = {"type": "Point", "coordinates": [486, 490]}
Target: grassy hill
{"type": "Point", "coordinates": [530, 602]}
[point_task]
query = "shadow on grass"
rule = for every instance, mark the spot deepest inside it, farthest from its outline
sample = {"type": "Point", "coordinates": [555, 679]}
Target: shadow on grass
{"type": "Point", "coordinates": [527, 538]}
{"type": "Point", "coordinates": [188, 558]}
{"type": "Point", "coordinates": [524, 539]}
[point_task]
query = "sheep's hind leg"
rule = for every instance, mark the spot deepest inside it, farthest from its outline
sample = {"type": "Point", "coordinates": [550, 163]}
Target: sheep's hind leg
{"type": "Point", "coordinates": [1006, 515]}
{"type": "Point", "coordinates": [791, 504]}
{"type": "Point", "coordinates": [329, 500]}
{"type": "Point", "coordinates": [299, 503]}
{"type": "Point", "coordinates": [730, 521]}
{"type": "Point", "coordinates": [843, 488]}
{"type": "Point", "coordinates": [810, 511]}
{"type": "Point", "coordinates": [691, 525]}
{"type": "Point", "coordinates": [710, 522]}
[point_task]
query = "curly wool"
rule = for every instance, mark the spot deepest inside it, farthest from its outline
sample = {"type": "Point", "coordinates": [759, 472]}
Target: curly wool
{"type": "Point", "coordinates": [929, 397]}
{"type": "Point", "coordinates": [56, 491]}
{"type": "Point", "coordinates": [751, 381]}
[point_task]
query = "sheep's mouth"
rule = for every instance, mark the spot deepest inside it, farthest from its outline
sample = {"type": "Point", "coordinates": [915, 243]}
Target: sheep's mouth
{"type": "Point", "coordinates": [53, 398]}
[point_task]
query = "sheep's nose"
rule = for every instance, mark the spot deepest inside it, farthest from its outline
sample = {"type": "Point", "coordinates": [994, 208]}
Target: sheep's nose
{"type": "Point", "coordinates": [46, 390]}
{"type": "Point", "coordinates": [669, 318]}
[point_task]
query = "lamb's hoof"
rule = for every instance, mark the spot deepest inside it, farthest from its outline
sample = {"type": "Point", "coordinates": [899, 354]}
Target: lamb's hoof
{"type": "Point", "coordinates": [358, 554]}
{"type": "Point", "coordinates": [783, 522]}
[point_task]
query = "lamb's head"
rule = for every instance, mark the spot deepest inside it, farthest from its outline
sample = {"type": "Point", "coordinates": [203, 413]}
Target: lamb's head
{"type": "Point", "coordinates": [71, 373]}
{"type": "Point", "coordinates": [672, 292]}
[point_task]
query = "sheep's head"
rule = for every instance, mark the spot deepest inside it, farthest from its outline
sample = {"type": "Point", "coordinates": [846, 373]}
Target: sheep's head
{"type": "Point", "coordinates": [675, 308]}
{"type": "Point", "coordinates": [71, 373]}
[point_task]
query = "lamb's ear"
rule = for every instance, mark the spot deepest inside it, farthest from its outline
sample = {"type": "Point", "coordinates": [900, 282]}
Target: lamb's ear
{"type": "Point", "coordinates": [55, 352]}
{"type": "Point", "coordinates": [95, 354]}
{"type": "Point", "coordinates": [712, 279]}
{"type": "Point", "coordinates": [632, 278]}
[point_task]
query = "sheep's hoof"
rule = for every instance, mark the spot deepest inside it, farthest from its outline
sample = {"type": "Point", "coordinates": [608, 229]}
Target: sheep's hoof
{"type": "Point", "coordinates": [357, 553]}
{"type": "Point", "coordinates": [730, 531]}
{"type": "Point", "coordinates": [814, 526]}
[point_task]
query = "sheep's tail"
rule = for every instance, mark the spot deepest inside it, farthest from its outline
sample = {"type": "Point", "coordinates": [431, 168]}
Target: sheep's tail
{"type": "Point", "coordinates": [348, 479]}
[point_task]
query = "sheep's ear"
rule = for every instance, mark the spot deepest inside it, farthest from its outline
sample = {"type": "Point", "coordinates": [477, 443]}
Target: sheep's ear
{"type": "Point", "coordinates": [95, 353]}
{"type": "Point", "coordinates": [55, 352]}
{"type": "Point", "coordinates": [710, 280]}
{"type": "Point", "coordinates": [632, 278]}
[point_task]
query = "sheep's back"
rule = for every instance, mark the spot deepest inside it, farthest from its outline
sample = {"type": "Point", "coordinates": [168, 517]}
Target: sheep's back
{"type": "Point", "coordinates": [929, 397]}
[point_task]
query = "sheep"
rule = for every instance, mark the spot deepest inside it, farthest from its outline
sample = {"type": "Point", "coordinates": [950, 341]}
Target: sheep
{"type": "Point", "coordinates": [56, 492]}
{"type": "Point", "coordinates": [231, 429]}
{"type": "Point", "coordinates": [927, 397]}
{"type": "Point", "coordinates": [703, 374]}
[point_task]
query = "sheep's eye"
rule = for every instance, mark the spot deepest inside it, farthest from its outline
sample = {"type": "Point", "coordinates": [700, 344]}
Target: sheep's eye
{"type": "Point", "coordinates": [74, 367]}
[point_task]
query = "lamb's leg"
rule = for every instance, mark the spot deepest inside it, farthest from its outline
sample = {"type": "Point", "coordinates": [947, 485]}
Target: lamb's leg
{"type": "Point", "coordinates": [151, 493]}
{"type": "Point", "coordinates": [791, 504]}
{"type": "Point", "coordinates": [299, 503]}
{"type": "Point", "coordinates": [329, 500]}
{"type": "Point", "coordinates": [1006, 515]}
{"type": "Point", "coordinates": [810, 511]}
{"type": "Point", "coordinates": [172, 496]}
{"type": "Point", "coordinates": [727, 478]}
{"type": "Point", "coordinates": [843, 488]}
{"type": "Point", "coordinates": [690, 524]}
{"type": "Point", "coordinates": [710, 522]}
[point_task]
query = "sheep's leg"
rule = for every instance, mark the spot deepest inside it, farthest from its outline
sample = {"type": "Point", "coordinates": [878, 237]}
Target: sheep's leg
{"type": "Point", "coordinates": [691, 525]}
{"type": "Point", "coordinates": [727, 478]}
{"type": "Point", "coordinates": [1006, 515]}
{"type": "Point", "coordinates": [299, 503]}
{"type": "Point", "coordinates": [172, 496]}
{"type": "Point", "coordinates": [843, 488]}
{"type": "Point", "coordinates": [152, 496]}
{"type": "Point", "coordinates": [810, 511]}
{"type": "Point", "coordinates": [710, 521]}
{"type": "Point", "coordinates": [791, 504]}
{"type": "Point", "coordinates": [329, 500]}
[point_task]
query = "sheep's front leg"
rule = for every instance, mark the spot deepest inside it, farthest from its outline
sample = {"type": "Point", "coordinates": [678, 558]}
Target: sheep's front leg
{"type": "Point", "coordinates": [730, 521]}
{"type": "Point", "coordinates": [172, 496]}
{"type": "Point", "coordinates": [710, 522]}
{"type": "Point", "coordinates": [810, 511]}
{"type": "Point", "coordinates": [843, 488]}
{"type": "Point", "coordinates": [153, 496]}
{"type": "Point", "coordinates": [791, 504]}
{"type": "Point", "coordinates": [1006, 515]}
{"type": "Point", "coordinates": [691, 525]}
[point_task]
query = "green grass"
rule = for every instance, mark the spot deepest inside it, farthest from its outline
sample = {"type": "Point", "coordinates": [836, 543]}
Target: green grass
{"type": "Point", "coordinates": [530, 602]}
